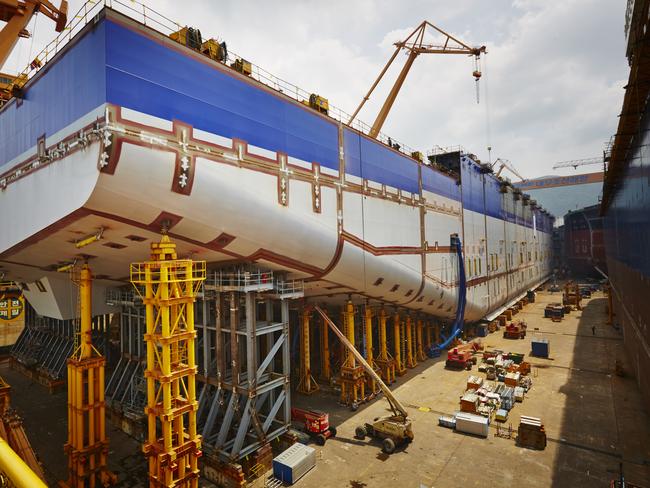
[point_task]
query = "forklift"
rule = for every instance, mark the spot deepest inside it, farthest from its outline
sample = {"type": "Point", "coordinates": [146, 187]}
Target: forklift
{"type": "Point", "coordinates": [394, 429]}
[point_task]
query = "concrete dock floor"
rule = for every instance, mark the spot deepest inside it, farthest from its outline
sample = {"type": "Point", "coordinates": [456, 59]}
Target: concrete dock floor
{"type": "Point", "coordinates": [594, 420]}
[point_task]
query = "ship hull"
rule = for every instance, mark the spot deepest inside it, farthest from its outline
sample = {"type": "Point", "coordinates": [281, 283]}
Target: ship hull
{"type": "Point", "coordinates": [235, 183]}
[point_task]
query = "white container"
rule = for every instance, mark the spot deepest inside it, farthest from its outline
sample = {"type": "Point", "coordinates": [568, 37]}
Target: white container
{"type": "Point", "coordinates": [294, 463]}
{"type": "Point", "coordinates": [472, 424]}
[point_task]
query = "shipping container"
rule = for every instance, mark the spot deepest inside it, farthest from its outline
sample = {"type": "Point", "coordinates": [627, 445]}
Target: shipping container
{"type": "Point", "coordinates": [472, 424]}
{"type": "Point", "coordinates": [540, 347]}
{"type": "Point", "coordinates": [294, 463]}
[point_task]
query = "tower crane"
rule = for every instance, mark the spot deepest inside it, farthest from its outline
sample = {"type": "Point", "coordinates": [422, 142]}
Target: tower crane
{"type": "Point", "coordinates": [18, 13]}
{"type": "Point", "coordinates": [506, 164]}
{"type": "Point", "coordinates": [414, 44]}
{"type": "Point", "coordinates": [579, 162]}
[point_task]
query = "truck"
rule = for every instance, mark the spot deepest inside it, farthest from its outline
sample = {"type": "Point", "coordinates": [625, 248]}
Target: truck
{"type": "Point", "coordinates": [392, 430]}
{"type": "Point", "coordinates": [314, 423]}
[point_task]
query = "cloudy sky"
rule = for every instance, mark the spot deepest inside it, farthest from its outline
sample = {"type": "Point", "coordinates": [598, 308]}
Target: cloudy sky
{"type": "Point", "coordinates": [553, 76]}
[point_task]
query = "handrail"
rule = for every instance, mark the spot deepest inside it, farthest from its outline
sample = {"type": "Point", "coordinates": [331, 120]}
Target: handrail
{"type": "Point", "coordinates": [12, 465]}
{"type": "Point", "coordinates": [151, 18]}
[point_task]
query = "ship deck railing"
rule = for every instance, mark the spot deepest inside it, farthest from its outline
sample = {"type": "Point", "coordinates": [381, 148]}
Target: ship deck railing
{"type": "Point", "coordinates": [151, 18]}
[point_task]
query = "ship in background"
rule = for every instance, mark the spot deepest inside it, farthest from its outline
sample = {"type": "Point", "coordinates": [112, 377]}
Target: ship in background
{"type": "Point", "coordinates": [126, 131]}
{"type": "Point", "coordinates": [584, 247]}
{"type": "Point", "coordinates": [626, 202]}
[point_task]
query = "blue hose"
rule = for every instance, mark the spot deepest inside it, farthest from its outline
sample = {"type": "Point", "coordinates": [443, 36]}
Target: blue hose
{"type": "Point", "coordinates": [457, 327]}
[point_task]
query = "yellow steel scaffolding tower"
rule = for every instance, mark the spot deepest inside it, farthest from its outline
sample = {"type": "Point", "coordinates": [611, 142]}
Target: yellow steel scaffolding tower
{"type": "Point", "coordinates": [385, 361]}
{"type": "Point", "coordinates": [420, 341]}
{"type": "Point", "coordinates": [410, 346]}
{"type": "Point", "coordinates": [352, 375]}
{"type": "Point", "coordinates": [87, 445]}
{"type": "Point", "coordinates": [398, 344]}
{"type": "Point", "coordinates": [307, 384]}
{"type": "Point", "coordinates": [168, 287]}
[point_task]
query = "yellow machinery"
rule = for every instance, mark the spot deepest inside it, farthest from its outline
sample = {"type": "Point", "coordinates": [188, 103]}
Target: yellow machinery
{"type": "Point", "coordinates": [414, 44]}
{"type": "Point", "coordinates": [318, 103]}
{"type": "Point", "coordinates": [87, 445]}
{"type": "Point", "coordinates": [242, 66]}
{"type": "Point", "coordinates": [215, 50]}
{"type": "Point", "coordinates": [168, 287]}
{"type": "Point", "coordinates": [15, 469]}
{"type": "Point", "coordinates": [12, 432]}
{"type": "Point", "coordinates": [394, 429]}
{"type": "Point", "coordinates": [307, 384]}
{"type": "Point", "coordinates": [188, 36]}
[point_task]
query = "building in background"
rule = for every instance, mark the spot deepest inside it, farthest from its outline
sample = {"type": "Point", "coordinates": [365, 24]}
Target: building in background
{"type": "Point", "coordinates": [559, 194]}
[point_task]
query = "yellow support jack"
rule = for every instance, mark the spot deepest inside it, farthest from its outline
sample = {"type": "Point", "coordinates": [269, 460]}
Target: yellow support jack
{"type": "Point", "coordinates": [168, 287]}
{"type": "Point", "coordinates": [352, 375]}
{"type": "Point", "coordinates": [326, 369]}
{"type": "Point", "coordinates": [410, 343]}
{"type": "Point", "coordinates": [372, 385]}
{"type": "Point", "coordinates": [87, 445]}
{"type": "Point", "coordinates": [385, 361]}
{"type": "Point", "coordinates": [429, 335]}
{"type": "Point", "coordinates": [420, 344]}
{"type": "Point", "coordinates": [399, 342]}
{"type": "Point", "coordinates": [307, 384]}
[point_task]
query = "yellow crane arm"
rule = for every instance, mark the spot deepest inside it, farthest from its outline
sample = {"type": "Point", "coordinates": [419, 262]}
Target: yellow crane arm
{"type": "Point", "coordinates": [394, 403]}
{"type": "Point", "coordinates": [415, 45]}
{"type": "Point", "coordinates": [18, 13]}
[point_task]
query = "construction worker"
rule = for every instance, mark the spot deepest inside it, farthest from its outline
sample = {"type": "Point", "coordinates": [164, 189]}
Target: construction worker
{"type": "Point", "coordinates": [593, 330]}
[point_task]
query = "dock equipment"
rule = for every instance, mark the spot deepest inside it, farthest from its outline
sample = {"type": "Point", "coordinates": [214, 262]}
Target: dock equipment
{"type": "Point", "coordinates": [87, 445]}
{"type": "Point", "coordinates": [540, 348]}
{"type": "Point", "coordinates": [294, 463]}
{"type": "Point", "coordinates": [13, 433]}
{"type": "Point", "coordinates": [367, 317]}
{"type": "Point", "coordinates": [394, 429]}
{"type": "Point", "coordinates": [515, 330]}
{"type": "Point", "coordinates": [469, 423]}
{"type": "Point", "coordinates": [314, 423]}
{"type": "Point", "coordinates": [168, 287]}
{"type": "Point", "coordinates": [531, 433]}
{"type": "Point", "coordinates": [460, 358]}
{"type": "Point", "coordinates": [414, 44]}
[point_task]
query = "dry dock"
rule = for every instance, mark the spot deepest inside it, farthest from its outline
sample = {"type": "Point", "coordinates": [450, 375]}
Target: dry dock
{"type": "Point", "coordinates": [594, 419]}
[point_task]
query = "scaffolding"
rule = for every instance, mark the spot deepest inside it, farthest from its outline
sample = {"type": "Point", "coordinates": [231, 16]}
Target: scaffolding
{"type": "Point", "coordinates": [168, 287]}
{"type": "Point", "coordinates": [352, 376]}
{"type": "Point", "coordinates": [246, 402]}
{"type": "Point", "coordinates": [87, 445]}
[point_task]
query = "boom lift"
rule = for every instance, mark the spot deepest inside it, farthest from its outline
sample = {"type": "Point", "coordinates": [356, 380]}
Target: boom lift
{"type": "Point", "coordinates": [394, 429]}
{"type": "Point", "coordinates": [414, 44]}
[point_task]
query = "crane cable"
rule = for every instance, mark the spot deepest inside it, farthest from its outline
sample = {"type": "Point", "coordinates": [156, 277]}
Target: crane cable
{"type": "Point", "coordinates": [488, 130]}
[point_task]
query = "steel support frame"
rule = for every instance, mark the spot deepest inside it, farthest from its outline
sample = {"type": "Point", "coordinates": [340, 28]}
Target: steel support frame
{"type": "Point", "coordinates": [248, 402]}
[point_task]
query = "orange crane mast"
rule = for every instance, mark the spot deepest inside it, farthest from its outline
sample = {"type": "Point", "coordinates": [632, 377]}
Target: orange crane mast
{"type": "Point", "coordinates": [18, 13]}
{"type": "Point", "coordinates": [414, 44]}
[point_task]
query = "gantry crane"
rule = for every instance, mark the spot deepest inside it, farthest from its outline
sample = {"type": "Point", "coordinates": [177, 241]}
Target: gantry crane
{"type": "Point", "coordinates": [414, 44]}
{"type": "Point", "coordinates": [18, 13]}
{"type": "Point", "coordinates": [506, 164]}
{"type": "Point", "coordinates": [579, 162]}
{"type": "Point", "coordinates": [393, 429]}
